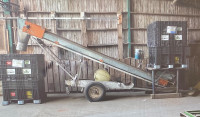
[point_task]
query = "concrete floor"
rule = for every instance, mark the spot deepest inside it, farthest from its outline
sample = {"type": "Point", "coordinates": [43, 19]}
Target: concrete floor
{"type": "Point", "coordinates": [116, 105]}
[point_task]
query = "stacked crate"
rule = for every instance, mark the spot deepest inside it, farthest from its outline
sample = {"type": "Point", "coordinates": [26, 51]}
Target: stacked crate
{"type": "Point", "coordinates": [22, 77]}
{"type": "Point", "coordinates": [167, 42]}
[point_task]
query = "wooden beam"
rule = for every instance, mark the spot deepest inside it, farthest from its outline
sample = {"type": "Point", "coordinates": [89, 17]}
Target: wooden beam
{"type": "Point", "coordinates": [112, 29]}
{"type": "Point", "coordinates": [84, 35]}
{"type": "Point", "coordinates": [144, 29]}
{"type": "Point", "coordinates": [63, 12]}
{"type": "Point", "coordinates": [7, 41]}
{"type": "Point", "coordinates": [129, 54]}
{"type": "Point", "coordinates": [54, 30]}
{"type": "Point", "coordinates": [109, 45]}
{"type": "Point", "coordinates": [102, 45]}
{"type": "Point", "coordinates": [53, 23]}
{"type": "Point", "coordinates": [65, 29]}
{"type": "Point", "coordinates": [4, 46]}
{"type": "Point", "coordinates": [120, 40]}
{"type": "Point", "coordinates": [137, 44]}
{"type": "Point", "coordinates": [119, 30]}
{"type": "Point", "coordinates": [41, 12]}
{"type": "Point", "coordinates": [164, 14]}
{"type": "Point", "coordinates": [88, 29]}
{"type": "Point", "coordinates": [135, 13]}
{"type": "Point", "coordinates": [101, 13]}
{"type": "Point", "coordinates": [103, 29]}
{"type": "Point", "coordinates": [66, 12]}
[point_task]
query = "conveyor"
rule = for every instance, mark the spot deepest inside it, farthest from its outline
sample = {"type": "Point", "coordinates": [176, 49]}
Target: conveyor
{"type": "Point", "coordinates": [28, 29]}
{"type": "Point", "coordinates": [39, 32]}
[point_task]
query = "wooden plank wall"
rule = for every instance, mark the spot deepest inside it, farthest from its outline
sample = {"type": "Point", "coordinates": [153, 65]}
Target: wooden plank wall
{"type": "Point", "coordinates": [102, 33]}
{"type": "Point", "coordinates": [3, 38]}
{"type": "Point", "coordinates": [144, 12]}
{"type": "Point", "coordinates": [88, 67]}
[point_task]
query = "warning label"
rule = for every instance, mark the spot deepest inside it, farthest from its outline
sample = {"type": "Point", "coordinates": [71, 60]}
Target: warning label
{"type": "Point", "coordinates": [10, 71]}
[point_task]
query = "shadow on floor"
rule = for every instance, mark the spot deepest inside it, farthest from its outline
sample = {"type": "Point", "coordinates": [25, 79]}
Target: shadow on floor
{"type": "Point", "coordinates": [122, 95]}
{"type": "Point", "coordinates": [109, 96]}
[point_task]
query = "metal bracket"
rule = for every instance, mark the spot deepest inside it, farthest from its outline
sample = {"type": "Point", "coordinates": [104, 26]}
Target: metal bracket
{"type": "Point", "coordinates": [33, 29]}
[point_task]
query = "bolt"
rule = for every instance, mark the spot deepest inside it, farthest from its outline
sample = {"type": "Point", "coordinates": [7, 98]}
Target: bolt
{"type": "Point", "coordinates": [28, 26]}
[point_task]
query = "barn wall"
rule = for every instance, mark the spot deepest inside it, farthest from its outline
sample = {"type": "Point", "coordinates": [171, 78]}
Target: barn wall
{"type": "Point", "coordinates": [102, 33]}
{"type": "Point", "coordinates": [145, 12]}
{"type": "Point", "coordinates": [98, 30]}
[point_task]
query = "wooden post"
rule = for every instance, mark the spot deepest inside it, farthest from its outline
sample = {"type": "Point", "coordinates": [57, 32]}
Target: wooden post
{"type": "Point", "coordinates": [119, 30]}
{"type": "Point", "coordinates": [57, 80]}
{"type": "Point", "coordinates": [120, 40]}
{"type": "Point", "coordinates": [84, 36]}
{"type": "Point", "coordinates": [22, 10]}
{"type": "Point", "coordinates": [54, 23]}
{"type": "Point", "coordinates": [4, 41]}
{"type": "Point", "coordinates": [129, 27]}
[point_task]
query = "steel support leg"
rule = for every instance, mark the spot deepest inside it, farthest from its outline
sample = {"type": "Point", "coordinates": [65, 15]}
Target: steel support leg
{"type": "Point", "coordinates": [153, 82]}
{"type": "Point", "coordinates": [177, 81]}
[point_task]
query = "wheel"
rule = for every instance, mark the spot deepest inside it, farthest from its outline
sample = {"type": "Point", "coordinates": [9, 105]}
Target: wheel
{"type": "Point", "coordinates": [95, 92]}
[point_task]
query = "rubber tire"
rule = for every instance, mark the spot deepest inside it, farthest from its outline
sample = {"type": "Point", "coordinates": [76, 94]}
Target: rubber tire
{"type": "Point", "coordinates": [86, 92]}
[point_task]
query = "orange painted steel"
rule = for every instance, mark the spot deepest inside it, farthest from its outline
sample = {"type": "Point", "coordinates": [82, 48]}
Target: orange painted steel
{"type": "Point", "coordinates": [56, 42]}
{"type": "Point", "coordinates": [33, 29]}
{"type": "Point", "coordinates": [163, 82]}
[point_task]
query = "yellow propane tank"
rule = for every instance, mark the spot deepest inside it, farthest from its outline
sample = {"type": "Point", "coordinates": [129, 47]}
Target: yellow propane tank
{"type": "Point", "coordinates": [101, 75]}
